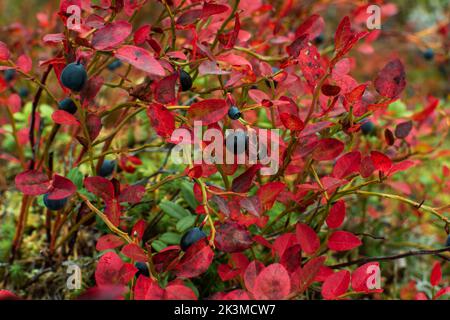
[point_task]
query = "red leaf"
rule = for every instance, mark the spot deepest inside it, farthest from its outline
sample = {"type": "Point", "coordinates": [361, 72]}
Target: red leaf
{"type": "Point", "coordinates": [380, 161]}
{"type": "Point", "coordinates": [244, 182]}
{"type": "Point", "coordinates": [347, 164]}
{"type": "Point", "coordinates": [327, 149]}
{"type": "Point", "coordinates": [61, 188]}
{"type": "Point", "coordinates": [356, 94]}
{"type": "Point", "coordinates": [367, 167]}
{"type": "Point", "coordinates": [307, 238]}
{"type": "Point", "coordinates": [4, 52]}
{"type": "Point", "coordinates": [25, 63]}
{"type": "Point", "coordinates": [232, 237]}
{"type": "Point", "coordinates": [309, 63]}
{"type": "Point", "coordinates": [312, 27]}
{"type": "Point", "coordinates": [304, 276]}
{"type": "Point", "coordinates": [134, 252]}
{"type": "Point", "coordinates": [111, 35]}
{"type": "Point", "coordinates": [101, 187]}
{"type": "Point", "coordinates": [343, 241]}
{"type": "Point", "coordinates": [337, 215]}
{"type": "Point", "coordinates": [283, 242]}
{"type": "Point", "coordinates": [111, 270]}
{"type": "Point", "coordinates": [112, 211]}
{"type": "Point", "coordinates": [94, 125]}
{"type": "Point", "coordinates": [132, 194]}
{"type": "Point", "coordinates": [429, 109]}
{"type": "Point", "coordinates": [195, 261]}
{"type": "Point", "coordinates": [208, 111]}
{"type": "Point", "coordinates": [108, 241]}
{"type": "Point", "coordinates": [5, 294]}
{"type": "Point", "coordinates": [360, 278]}
{"type": "Point", "coordinates": [401, 166]}
{"type": "Point", "coordinates": [390, 82]}
{"type": "Point", "coordinates": [233, 35]}
{"type": "Point", "coordinates": [140, 59]}
{"type": "Point", "coordinates": [32, 182]}
{"type": "Point", "coordinates": [165, 89]}
{"type": "Point", "coordinates": [251, 273]}
{"type": "Point", "coordinates": [162, 119]}
{"type": "Point", "coordinates": [210, 9]}
{"type": "Point", "coordinates": [179, 292]}
{"type": "Point", "coordinates": [292, 122]}
{"type": "Point", "coordinates": [272, 283]}
{"type": "Point", "coordinates": [330, 90]}
{"type": "Point", "coordinates": [147, 289]}
{"type": "Point", "coordinates": [65, 118]}
{"type": "Point", "coordinates": [268, 193]}
{"type": "Point", "coordinates": [436, 274]}
{"type": "Point", "coordinates": [336, 285]}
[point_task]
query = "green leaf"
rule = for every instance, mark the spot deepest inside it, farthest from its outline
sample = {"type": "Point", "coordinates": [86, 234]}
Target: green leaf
{"type": "Point", "coordinates": [158, 245]}
{"type": "Point", "coordinates": [76, 177]}
{"type": "Point", "coordinates": [173, 209]}
{"type": "Point", "coordinates": [170, 238]}
{"type": "Point", "coordinates": [185, 223]}
{"type": "Point", "coordinates": [188, 194]}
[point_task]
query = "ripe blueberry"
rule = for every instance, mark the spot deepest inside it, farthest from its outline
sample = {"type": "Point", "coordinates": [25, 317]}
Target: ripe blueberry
{"type": "Point", "coordinates": [319, 39]}
{"type": "Point", "coordinates": [447, 244]}
{"type": "Point", "coordinates": [142, 269]}
{"type": "Point", "coordinates": [68, 105]}
{"type": "Point", "coordinates": [74, 76]}
{"type": "Point", "coordinates": [190, 237]}
{"type": "Point", "coordinates": [185, 80]}
{"type": "Point", "coordinates": [428, 54]}
{"type": "Point", "coordinates": [237, 140]}
{"type": "Point", "coordinates": [9, 74]}
{"type": "Point", "coordinates": [367, 127]}
{"type": "Point", "coordinates": [107, 168]}
{"type": "Point", "coordinates": [114, 65]}
{"type": "Point", "coordinates": [54, 205]}
{"type": "Point", "coordinates": [234, 113]}
{"type": "Point", "coordinates": [24, 92]}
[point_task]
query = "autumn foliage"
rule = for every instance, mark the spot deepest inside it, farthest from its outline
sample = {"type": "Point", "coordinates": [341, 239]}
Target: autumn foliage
{"type": "Point", "coordinates": [361, 191]}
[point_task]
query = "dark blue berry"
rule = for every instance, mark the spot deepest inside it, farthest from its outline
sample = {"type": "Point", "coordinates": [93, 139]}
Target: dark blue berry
{"type": "Point", "coordinates": [74, 76]}
{"type": "Point", "coordinates": [428, 54]}
{"type": "Point", "coordinates": [367, 127]}
{"type": "Point", "coordinates": [238, 140]}
{"type": "Point", "coordinates": [114, 65]}
{"type": "Point", "coordinates": [319, 39]}
{"type": "Point", "coordinates": [107, 168]}
{"type": "Point", "coordinates": [68, 105]}
{"type": "Point", "coordinates": [24, 92]}
{"type": "Point", "coordinates": [234, 113]}
{"type": "Point", "coordinates": [54, 205]}
{"type": "Point", "coordinates": [142, 269]}
{"type": "Point", "coordinates": [191, 237]}
{"type": "Point", "coordinates": [185, 80]}
{"type": "Point", "coordinates": [9, 75]}
{"type": "Point", "coordinates": [447, 244]}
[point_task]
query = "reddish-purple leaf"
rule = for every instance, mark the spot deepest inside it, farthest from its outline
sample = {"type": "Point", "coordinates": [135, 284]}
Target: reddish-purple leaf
{"type": "Point", "coordinates": [64, 118]}
{"type": "Point", "coordinates": [101, 187]}
{"type": "Point", "coordinates": [195, 261]}
{"type": "Point", "coordinates": [163, 121]}
{"type": "Point", "coordinates": [307, 238]}
{"type": "Point", "coordinates": [111, 270]}
{"type": "Point", "coordinates": [367, 167]}
{"type": "Point", "coordinates": [312, 27]}
{"type": "Point", "coordinates": [108, 241]}
{"type": "Point", "coordinates": [304, 276]}
{"type": "Point", "coordinates": [132, 194]}
{"type": "Point", "coordinates": [140, 59]}
{"type": "Point", "coordinates": [179, 292]}
{"type": "Point", "coordinates": [24, 63]}
{"type": "Point", "coordinates": [268, 193]}
{"type": "Point", "coordinates": [336, 285]}
{"type": "Point", "coordinates": [343, 241]}
{"type": "Point", "coordinates": [391, 81]}
{"type": "Point", "coordinates": [327, 149]}
{"type": "Point", "coordinates": [337, 215]}
{"type": "Point", "coordinates": [381, 161]}
{"type": "Point", "coordinates": [111, 35]}
{"type": "Point", "coordinates": [251, 273]}
{"type": "Point", "coordinates": [208, 111]}
{"type": "Point", "coordinates": [244, 182]}
{"type": "Point", "coordinates": [61, 188]}
{"type": "Point", "coordinates": [232, 237]}
{"type": "Point", "coordinates": [330, 90]}
{"type": "Point", "coordinates": [165, 89]}
{"type": "Point", "coordinates": [403, 129]}
{"type": "Point", "coordinates": [32, 182]}
{"type": "Point", "coordinates": [436, 274]}
{"type": "Point", "coordinates": [291, 122]}
{"type": "Point", "coordinates": [347, 164]}
{"type": "Point", "coordinates": [134, 252]}
{"type": "Point", "coordinates": [389, 137]}
{"type": "Point", "coordinates": [272, 283]}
